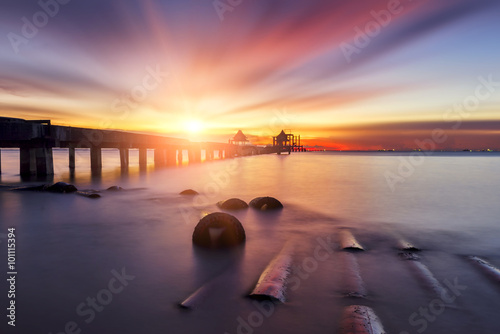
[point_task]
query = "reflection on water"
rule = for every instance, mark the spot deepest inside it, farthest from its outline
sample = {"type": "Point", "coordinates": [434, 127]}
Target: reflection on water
{"type": "Point", "coordinates": [68, 245]}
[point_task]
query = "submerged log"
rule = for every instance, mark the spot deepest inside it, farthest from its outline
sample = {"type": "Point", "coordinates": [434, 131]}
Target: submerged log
{"type": "Point", "coordinates": [197, 297]}
{"type": "Point", "coordinates": [348, 241]}
{"type": "Point", "coordinates": [407, 246]}
{"type": "Point", "coordinates": [357, 319]}
{"type": "Point", "coordinates": [353, 284]}
{"type": "Point", "coordinates": [428, 278]}
{"type": "Point", "coordinates": [273, 280]}
{"type": "Point", "coordinates": [489, 269]}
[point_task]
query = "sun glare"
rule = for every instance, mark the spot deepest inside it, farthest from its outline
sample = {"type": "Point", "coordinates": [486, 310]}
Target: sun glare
{"type": "Point", "coordinates": [193, 126]}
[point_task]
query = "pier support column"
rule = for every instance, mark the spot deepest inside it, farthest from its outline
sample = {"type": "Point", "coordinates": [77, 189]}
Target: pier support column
{"type": "Point", "coordinates": [143, 157]}
{"type": "Point", "coordinates": [27, 161]}
{"type": "Point", "coordinates": [179, 156]}
{"type": "Point", "coordinates": [0, 161]}
{"type": "Point", "coordinates": [160, 157]}
{"type": "Point", "coordinates": [124, 158]}
{"type": "Point", "coordinates": [44, 162]}
{"type": "Point", "coordinates": [190, 155]}
{"type": "Point", "coordinates": [72, 158]}
{"type": "Point", "coordinates": [209, 154]}
{"type": "Point", "coordinates": [171, 158]}
{"type": "Point", "coordinates": [197, 154]}
{"type": "Point", "coordinates": [95, 158]}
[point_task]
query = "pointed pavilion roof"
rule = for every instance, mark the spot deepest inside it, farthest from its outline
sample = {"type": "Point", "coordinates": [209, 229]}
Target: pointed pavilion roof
{"type": "Point", "coordinates": [282, 136]}
{"type": "Point", "coordinates": [240, 136]}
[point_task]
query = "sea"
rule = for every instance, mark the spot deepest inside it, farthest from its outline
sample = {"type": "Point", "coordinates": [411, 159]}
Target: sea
{"type": "Point", "coordinates": [123, 262]}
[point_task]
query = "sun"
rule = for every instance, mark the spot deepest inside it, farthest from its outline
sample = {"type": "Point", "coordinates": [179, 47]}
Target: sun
{"type": "Point", "coordinates": [193, 126]}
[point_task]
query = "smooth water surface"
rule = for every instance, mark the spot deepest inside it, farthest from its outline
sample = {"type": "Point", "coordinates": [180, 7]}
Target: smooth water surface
{"type": "Point", "coordinates": [69, 248]}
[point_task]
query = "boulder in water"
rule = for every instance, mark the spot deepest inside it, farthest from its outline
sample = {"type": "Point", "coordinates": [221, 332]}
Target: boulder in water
{"type": "Point", "coordinates": [219, 230]}
{"type": "Point", "coordinates": [232, 204]}
{"type": "Point", "coordinates": [61, 187]}
{"type": "Point", "coordinates": [190, 192]}
{"type": "Point", "coordinates": [266, 203]}
{"type": "Point", "coordinates": [115, 188]}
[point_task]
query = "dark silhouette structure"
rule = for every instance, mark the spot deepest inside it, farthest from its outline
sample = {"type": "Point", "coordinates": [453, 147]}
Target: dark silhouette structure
{"type": "Point", "coordinates": [35, 139]}
{"type": "Point", "coordinates": [239, 139]}
{"type": "Point", "coordinates": [287, 142]}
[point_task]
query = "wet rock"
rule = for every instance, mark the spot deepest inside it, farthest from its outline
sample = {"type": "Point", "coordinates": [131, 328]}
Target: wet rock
{"type": "Point", "coordinates": [61, 187]}
{"type": "Point", "coordinates": [232, 204]}
{"type": "Point", "coordinates": [88, 194]}
{"type": "Point", "coordinates": [115, 188]}
{"type": "Point", "coordinates": [409, 256]}
{"type": "Point", "coordinates": [219, 230]}
{"type": "Point", "coordinates": [189, 192]}
{"type": "Point", "coordinates": [43, 187]}
{"type": "Point", "coordinates": [266, 203]}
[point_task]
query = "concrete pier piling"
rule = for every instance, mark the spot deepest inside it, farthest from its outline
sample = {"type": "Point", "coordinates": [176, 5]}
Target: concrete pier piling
{"type": "Point", "coordinates": [95, 158]}
{"type": "Point", "coordinates": [143, 157]}
{"type": "Point", "coordinates": [35, 161]}
{"type": "Point", "coordinates": [124, 158]}
{"type": "Point", "coordinates": [36, 139]}
{"type": "Point", "coordinates": [72, 158]}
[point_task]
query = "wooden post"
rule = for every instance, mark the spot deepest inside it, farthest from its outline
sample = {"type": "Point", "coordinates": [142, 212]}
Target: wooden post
{"type": "Point", "coordinates": [143, 157]}
{"type": "Point", "coordinates": [95, 158]}
{"type": "Point", "coordinates": [72, 158]}
{"type": "Point", "coordinates": [0, 161]}
{"type": "Point", "coordinates": [124, 158]}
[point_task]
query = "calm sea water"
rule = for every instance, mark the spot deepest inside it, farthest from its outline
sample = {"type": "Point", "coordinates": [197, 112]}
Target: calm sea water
{"type": "Point", "coordinates": [70, 249]}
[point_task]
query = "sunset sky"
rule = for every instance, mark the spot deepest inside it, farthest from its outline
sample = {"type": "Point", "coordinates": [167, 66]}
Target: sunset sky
{"type": "Point", "coordinates": [343, 74]}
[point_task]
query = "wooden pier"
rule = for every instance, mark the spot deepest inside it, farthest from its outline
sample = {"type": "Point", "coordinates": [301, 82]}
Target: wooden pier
{"type": "Point", "coordinates": [36, 139]}
{"type": "Point", "coordinates": [287, 143]}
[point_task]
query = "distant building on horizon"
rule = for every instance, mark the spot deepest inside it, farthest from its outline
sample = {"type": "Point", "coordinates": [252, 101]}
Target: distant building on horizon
{"type": "Point", "coordinates": [239, 139]}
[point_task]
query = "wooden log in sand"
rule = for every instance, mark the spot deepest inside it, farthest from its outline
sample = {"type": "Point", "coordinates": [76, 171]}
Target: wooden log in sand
{"type": "Point", "coordinates": [407, 246]}
{"type": "Point", "coordinates": [428, 278]}
{"type": "Point", "coordinates": [352, 283]}
{"type": "Point", "coordinates": [348, 241]}
{"type": "Point", "coordinates": [357, 319]}
{"type": "Point", "coordinates": [197, 297]}
{"type": "Point", "coordinates": [489, 269]}
{"type": "Point", "coordinates": [273, 280]}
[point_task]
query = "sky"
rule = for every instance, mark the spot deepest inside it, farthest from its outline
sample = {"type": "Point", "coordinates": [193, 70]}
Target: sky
{"type": "Point", "coordinates": [347, 75]}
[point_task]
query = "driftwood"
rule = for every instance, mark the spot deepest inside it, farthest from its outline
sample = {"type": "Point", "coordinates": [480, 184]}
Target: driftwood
{"type": "Point", "coordinates": [357, 319]}
{"type": "Point", "coordinates": [273, 280]}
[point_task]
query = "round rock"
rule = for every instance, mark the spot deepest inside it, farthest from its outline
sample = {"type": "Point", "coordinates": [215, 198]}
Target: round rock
{"type": "Point", "coordinates": [190, 192]}
{"type": "Point", "coordinates": [232, 204]}
{"type": "Point", "coordinates": [219, 230]}
{"type": "Point", "coordinates": [115, 188]}
{"type": "Point", "coordinates": [62, 187]}
{"type": "Point", "coordinates": [266, 203]}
